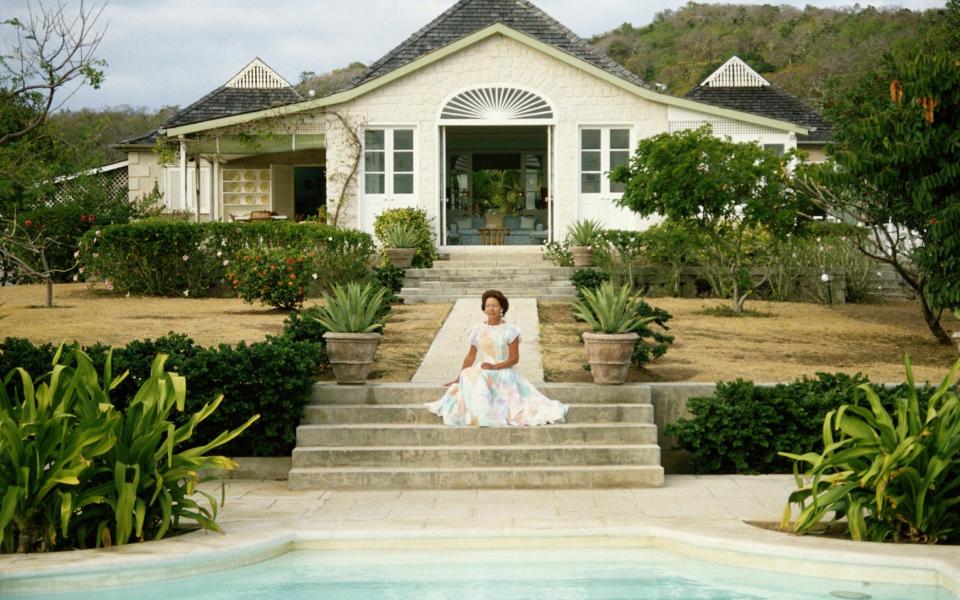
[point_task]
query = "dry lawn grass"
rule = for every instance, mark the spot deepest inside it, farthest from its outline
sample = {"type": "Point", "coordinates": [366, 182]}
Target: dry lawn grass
{"type": "Point", "coordinates": [90, 315]}
{"type": "Point", "coordinates": [795, 339]}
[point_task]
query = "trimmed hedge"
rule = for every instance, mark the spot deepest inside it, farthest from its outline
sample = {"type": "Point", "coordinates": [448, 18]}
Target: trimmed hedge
{"type": "Point", "coordinates": [742, 426]}
{"type": "Point", "coordinates": [273, 378]}
{"type": "Point", "coordinates": [172, 258]}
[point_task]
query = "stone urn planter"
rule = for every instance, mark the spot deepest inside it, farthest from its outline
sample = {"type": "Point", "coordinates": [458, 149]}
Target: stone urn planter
{"type": "Point", "coordinates": [400, 257]}
{"type": "Point", "coordinates": [582, 256]}
{"type": "Point", "coordinates": [609, 355]}
{"type": "Point", "coordinates": [351, 355]}
{"type": "Point", "coordinates": [494, 219]}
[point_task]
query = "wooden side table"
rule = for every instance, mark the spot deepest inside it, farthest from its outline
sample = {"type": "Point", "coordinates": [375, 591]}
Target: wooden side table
{"type": "Point", "coordinates": [493, 236]}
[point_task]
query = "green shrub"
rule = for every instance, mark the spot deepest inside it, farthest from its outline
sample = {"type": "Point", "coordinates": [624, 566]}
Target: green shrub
{"type": "Point", "coordinates": [742, 426]}
{"type": "Point", "coordinates": [584, 232]}
{"type": "Point", "coordinates": [892, 477]}
{"type": "Point", "coordinates": [302, 326]}
{"type": "Point", "coordinates": [417, 220]}
{"type": "Point", "coordinates": [273, 378]}
{"type": "Point", "coordinates": [588, 279]}
{"type": "Point", "coordinates": [675, 245]}
{"type": "Point", "coordinates": [170, 258]}
{"type": "Point", "coordinates": [559, 253]}
{"type": "Point", "coordinates": [78, 472]}
{"type": "Point", "coordinates": [273, 276]}
{"type": "Point", "coordinates": [390, 278]}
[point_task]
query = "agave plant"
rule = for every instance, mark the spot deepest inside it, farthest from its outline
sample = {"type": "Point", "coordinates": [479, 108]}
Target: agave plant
{"type": "Point", "coordinates": [608, 309]}
{"type": "Point", "coordinates": [584, 232]}
{"type": "Point", "coordinates": [353, 308]}
{"type": "Point", "coordinates": [400, 235]}
{"type": "Point", "coordinates": [894, 478]}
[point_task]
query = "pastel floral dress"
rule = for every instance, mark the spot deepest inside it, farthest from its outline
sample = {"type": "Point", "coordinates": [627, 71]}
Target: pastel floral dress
{"type": "Point", "coordinates": [495, 398]}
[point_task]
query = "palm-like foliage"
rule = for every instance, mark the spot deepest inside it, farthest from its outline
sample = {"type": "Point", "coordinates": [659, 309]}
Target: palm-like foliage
{"type": "Point", "coordinates": [608, 309]}
{"type": "Point", "coordinates": [75, 471]}
{"type": "Point", "coordinates": [892, 478]}
{"type": "Point", "coordinates": [584, 232]}
{"type": "Point", "coordinates": [353, 308]}
{"type": "Point", "coordinates": [400, 235]}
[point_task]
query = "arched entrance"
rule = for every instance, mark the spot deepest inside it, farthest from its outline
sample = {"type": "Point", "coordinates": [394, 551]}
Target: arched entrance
{"type": "Point", "coordinates": [496, 144]}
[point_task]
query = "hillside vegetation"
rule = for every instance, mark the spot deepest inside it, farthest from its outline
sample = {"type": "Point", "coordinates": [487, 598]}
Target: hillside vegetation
{"type": "Point", "coordinates": [797, 50]}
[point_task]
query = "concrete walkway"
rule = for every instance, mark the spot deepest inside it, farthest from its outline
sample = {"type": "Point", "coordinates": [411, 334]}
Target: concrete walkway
{"type": "Point", "coordinates": [699, 517]}
{"type": "Point", "coordinates": [443, 359]}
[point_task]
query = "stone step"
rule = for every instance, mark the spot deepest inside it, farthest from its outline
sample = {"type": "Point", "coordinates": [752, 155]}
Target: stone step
{"type": "Point", "coordinates": [466, 282]}
{"type": "Point", "coordinates": [512, 277]}
{"type": "Point", "coordinates": [410, 414]}
{"type": "Point", "coordinates": [442, 435]}
{"type": "Point", "coordinates": [449, 298]}
{"type": "Point", "coordinates": [536, 477]}
{"type": "Point", "coordinates": [549, 295]}
{"type": "Point", "coordinates": [419, 393]}
{"type": "Point", "coordinates": [467, 271]}
{"type": "Point", "coordinates": [476, 456]}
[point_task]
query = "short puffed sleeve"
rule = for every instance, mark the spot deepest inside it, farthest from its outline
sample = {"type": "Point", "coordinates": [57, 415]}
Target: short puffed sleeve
{"type": "Point", "coordinates": [474, 336]}
{"type": "Point", "coordinates": [513, 332]}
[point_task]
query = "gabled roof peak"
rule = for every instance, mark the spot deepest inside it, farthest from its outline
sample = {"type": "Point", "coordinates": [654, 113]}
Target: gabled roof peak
{"type": "Point", "coordinates": [257, 76]}
{"type": "Point", "coordinates": [469, 16]}
{"type": "Point", "coordinates": [735, 73]}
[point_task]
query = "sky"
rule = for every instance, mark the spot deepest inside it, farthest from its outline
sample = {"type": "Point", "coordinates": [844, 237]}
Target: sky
{"type": "Point", "coordinates": [172, 52]}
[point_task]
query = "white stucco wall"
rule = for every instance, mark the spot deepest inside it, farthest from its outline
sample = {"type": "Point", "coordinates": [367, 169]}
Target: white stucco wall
{"type": "Point", "coordinates": [144, 171]}
{"type": "Point", "coordinates": [580, 99]}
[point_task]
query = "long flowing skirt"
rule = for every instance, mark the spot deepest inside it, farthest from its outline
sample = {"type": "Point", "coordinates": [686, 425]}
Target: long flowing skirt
{"type": "Point", "coordinates": [496, 398]}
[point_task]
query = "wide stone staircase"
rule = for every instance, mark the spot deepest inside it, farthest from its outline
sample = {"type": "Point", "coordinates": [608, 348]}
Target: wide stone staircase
{"type": "Point", "coordinates": [382, 437]}
{"type": "Point", "coordinates": [517, 271]}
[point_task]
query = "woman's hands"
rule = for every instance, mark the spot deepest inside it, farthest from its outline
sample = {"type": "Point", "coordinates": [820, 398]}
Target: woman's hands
{"type": "Point", "coordinates": [489, 366]}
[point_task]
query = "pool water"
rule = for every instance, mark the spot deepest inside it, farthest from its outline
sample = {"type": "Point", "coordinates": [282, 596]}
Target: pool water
{"type": "Point", "coordinates": [568, 574]}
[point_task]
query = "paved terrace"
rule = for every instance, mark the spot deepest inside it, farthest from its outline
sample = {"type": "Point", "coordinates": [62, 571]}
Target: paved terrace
{"type": "Point", "coordinates": [700, 517]}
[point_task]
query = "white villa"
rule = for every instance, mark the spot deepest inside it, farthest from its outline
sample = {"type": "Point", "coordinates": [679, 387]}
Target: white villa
{"type": "Point", "coordinates": [489, 84]}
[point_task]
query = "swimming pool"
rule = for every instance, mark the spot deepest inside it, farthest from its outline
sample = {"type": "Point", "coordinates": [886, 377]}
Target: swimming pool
{"type": "Point", "coordinates": [554, 574]}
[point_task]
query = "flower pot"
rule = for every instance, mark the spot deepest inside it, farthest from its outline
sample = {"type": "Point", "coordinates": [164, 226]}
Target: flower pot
{"type": "Point", "coordinates": [956, 339]}
{"type": "Point", "coordinates": [582, 256]}
{"type": "Point", "coordinates": [609, 355]}
{"type": "Point", "coordinates": [400, 257]}
{"type": "Point", "coordinates": [351, 355]}
{"type": "Point", "coordinates": [494, 219]}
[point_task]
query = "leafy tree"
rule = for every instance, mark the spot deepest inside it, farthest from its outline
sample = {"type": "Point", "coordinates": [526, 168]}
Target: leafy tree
{"type": "Point", "coordinates": [52, 53]}
{"type": "Point", "coordinates": [735, 193]}
{"type": "Point", "coordinates": [897, 166]}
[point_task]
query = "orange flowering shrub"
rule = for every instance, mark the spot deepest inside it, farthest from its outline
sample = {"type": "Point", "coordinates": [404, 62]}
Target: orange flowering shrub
{"type": "Point", "coordinates": [273, 276]}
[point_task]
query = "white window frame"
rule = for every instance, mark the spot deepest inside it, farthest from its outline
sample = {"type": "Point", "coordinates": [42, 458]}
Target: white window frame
{"type": "Point", "coordinates": [389, 198]}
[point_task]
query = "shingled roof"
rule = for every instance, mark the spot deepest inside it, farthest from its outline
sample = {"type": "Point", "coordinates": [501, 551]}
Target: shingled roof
{"type": "Point", "coordinates": [468, 16]}
{"type": "Point", "coordinates": [736, 86]}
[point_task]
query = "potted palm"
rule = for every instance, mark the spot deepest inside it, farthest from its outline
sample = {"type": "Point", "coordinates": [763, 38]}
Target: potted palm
{"type": "Point", "coordinates": [613, 315]}
{"type": "Point", "coordinates": [501, 189]}
{"type": "Point", "coordinates": [582, 235]}
{"type": "Point", "coordinates": [399, 244]}
{"type": "Point", "coordinates": [351, 315]}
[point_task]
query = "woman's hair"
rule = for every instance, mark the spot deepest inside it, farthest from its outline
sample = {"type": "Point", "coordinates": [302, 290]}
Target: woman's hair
{"type": "Point", "coordinates": [504, 303]}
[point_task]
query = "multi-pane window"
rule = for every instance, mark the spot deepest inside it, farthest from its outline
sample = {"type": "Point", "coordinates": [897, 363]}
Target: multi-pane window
{"type": "Point", "coordinates": [388, 162]}
{"type": "Point", "coordinates": [375, 161]}
{"type": "Point", "coordinates": [601, 150]}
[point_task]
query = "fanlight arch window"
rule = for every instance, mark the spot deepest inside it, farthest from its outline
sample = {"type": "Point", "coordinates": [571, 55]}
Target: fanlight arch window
{"type": "Point", "coordinates": [497, 104]}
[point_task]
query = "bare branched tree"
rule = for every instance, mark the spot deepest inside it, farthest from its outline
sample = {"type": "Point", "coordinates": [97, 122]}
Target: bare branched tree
{"type": "Point", "coordinates": [19, 241]}
{"type": "Point", "coordinates": [54, 54]}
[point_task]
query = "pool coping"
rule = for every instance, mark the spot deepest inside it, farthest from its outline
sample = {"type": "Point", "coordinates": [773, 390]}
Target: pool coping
{"type": "Point", "coordinates": [733, 544]}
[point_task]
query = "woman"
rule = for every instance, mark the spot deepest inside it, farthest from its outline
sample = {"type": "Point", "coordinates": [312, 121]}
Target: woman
{"type": "Point", "coordinates": [494, 393]}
